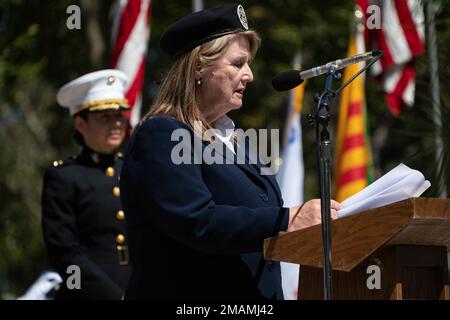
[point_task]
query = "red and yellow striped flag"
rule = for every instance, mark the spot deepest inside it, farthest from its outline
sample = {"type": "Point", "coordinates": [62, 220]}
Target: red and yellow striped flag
{"type": "Point", "coordinates": [353, 159]}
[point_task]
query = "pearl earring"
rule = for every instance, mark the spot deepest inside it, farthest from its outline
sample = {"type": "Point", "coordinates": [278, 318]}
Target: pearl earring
{"type": "Point", "coordinates": [199, 81]}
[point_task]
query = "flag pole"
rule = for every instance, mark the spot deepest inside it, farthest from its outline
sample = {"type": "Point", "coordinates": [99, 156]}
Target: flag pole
{"type": "Point", "coordinates": [435, 91]}
{"type": "Point", "coordinates": [197, 5]}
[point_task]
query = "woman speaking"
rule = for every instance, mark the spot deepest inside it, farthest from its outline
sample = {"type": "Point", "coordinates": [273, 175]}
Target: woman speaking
{"type": "Point", "coordinates": [196, 229]}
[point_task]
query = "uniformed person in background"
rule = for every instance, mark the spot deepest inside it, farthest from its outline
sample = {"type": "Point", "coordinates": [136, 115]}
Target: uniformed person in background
{"type": "Point", "coordinates": [83, 222]}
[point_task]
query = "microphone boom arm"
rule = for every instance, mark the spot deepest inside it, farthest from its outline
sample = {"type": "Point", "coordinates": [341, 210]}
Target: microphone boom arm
{"type": "Point", "coordinates": [375, 59]}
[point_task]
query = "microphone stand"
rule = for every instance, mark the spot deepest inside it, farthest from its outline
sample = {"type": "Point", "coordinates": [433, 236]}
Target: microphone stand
{"type": "Point", "coordinates": [324, 158]}
{"type": "Point", "coordinates": [321, 119]}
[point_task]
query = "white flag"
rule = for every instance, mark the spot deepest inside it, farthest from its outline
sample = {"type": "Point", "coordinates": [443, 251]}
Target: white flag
{"type": "Point", "coordinates": [290, 178]}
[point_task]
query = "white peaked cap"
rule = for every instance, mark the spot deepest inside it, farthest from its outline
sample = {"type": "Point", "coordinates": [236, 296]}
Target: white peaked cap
{"type": "Point", "coordinates": [95, 91]}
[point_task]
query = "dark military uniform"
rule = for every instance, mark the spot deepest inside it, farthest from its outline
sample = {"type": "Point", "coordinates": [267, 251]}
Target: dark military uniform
{"type": "Point", "coordinates": [83, 224]}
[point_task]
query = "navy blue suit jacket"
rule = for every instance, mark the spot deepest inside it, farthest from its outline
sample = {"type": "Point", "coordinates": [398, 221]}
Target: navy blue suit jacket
{"type": "Point", "coordinates": [196, 231]}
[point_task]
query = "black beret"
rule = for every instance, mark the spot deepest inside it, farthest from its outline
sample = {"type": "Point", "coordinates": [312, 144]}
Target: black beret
{"type": "Point", "coordinates": [202, 26]}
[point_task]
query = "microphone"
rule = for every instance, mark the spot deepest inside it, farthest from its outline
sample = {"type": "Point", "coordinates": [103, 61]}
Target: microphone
{"type": "Point", "coordinates": [292, 78]}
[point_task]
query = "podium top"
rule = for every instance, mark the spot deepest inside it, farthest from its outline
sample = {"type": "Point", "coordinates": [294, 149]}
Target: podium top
{"type": "Point", "coordinates": [415, 221]}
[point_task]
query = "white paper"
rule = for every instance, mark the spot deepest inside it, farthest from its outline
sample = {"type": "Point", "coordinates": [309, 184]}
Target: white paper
{"type": "Point", "coordinates": [398, 184]}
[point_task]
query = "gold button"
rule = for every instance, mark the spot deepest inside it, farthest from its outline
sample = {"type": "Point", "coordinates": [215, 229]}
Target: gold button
{"type": "Point", "coordinates": [120, 215]}
{"type": "Point", "coordinates": [120, 239]}
{"type": "Point", "coordinates": [110, 172]}
{"type": "Point", "coordinates": [55, 163]}
{"type": "Point", "coordinates": [116, 192]}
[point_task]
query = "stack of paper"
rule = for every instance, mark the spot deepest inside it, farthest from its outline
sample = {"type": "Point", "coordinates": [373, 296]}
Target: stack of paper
{"type": "Point", "coordinates": [398, 184]}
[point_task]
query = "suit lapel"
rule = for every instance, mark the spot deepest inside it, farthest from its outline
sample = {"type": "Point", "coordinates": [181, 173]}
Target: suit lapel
{"type": "Point", "coordinates": [233, 158]}
{"type": "Point", "coordinates": [253, 160]}
{"type": "Point", "coordinates": [270, 178]}
{"type": "Point", "coordinates": [247, 159]}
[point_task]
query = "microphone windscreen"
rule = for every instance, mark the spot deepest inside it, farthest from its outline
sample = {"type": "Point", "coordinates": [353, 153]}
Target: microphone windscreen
{"type": "Point", "coordinates": [287, 80]}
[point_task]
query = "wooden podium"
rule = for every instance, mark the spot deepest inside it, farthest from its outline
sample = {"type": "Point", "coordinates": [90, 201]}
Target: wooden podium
{"type": "Point", "coordinates": [408, 241]}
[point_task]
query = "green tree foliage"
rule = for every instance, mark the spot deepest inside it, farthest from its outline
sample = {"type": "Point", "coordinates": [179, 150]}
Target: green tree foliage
{"type": "Point", "coordinates": [38, 54]}
{"type": "Point", "coordinates": [411, 137]}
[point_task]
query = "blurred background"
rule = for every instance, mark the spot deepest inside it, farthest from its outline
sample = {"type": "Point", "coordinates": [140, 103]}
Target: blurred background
{"type": "Point", "coordinates": [38, 54]}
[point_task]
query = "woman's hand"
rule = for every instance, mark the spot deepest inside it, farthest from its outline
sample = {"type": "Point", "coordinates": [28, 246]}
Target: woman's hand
{"type": "Point", "coordinates": [308, 214]}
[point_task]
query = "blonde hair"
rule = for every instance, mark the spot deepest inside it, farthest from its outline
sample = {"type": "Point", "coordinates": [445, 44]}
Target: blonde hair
{"type": "Point", "coordinates": [177, 94]}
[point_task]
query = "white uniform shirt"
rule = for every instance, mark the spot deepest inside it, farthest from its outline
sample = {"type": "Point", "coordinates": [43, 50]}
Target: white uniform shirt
{"type": "Point", "coordinates": [224, 131]}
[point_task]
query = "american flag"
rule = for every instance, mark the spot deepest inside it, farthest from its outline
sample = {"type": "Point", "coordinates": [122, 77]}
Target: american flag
{"type": "Point", "coordinates": [130, 35]}
{"type": "Point", "coordinates": [401, 37]}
